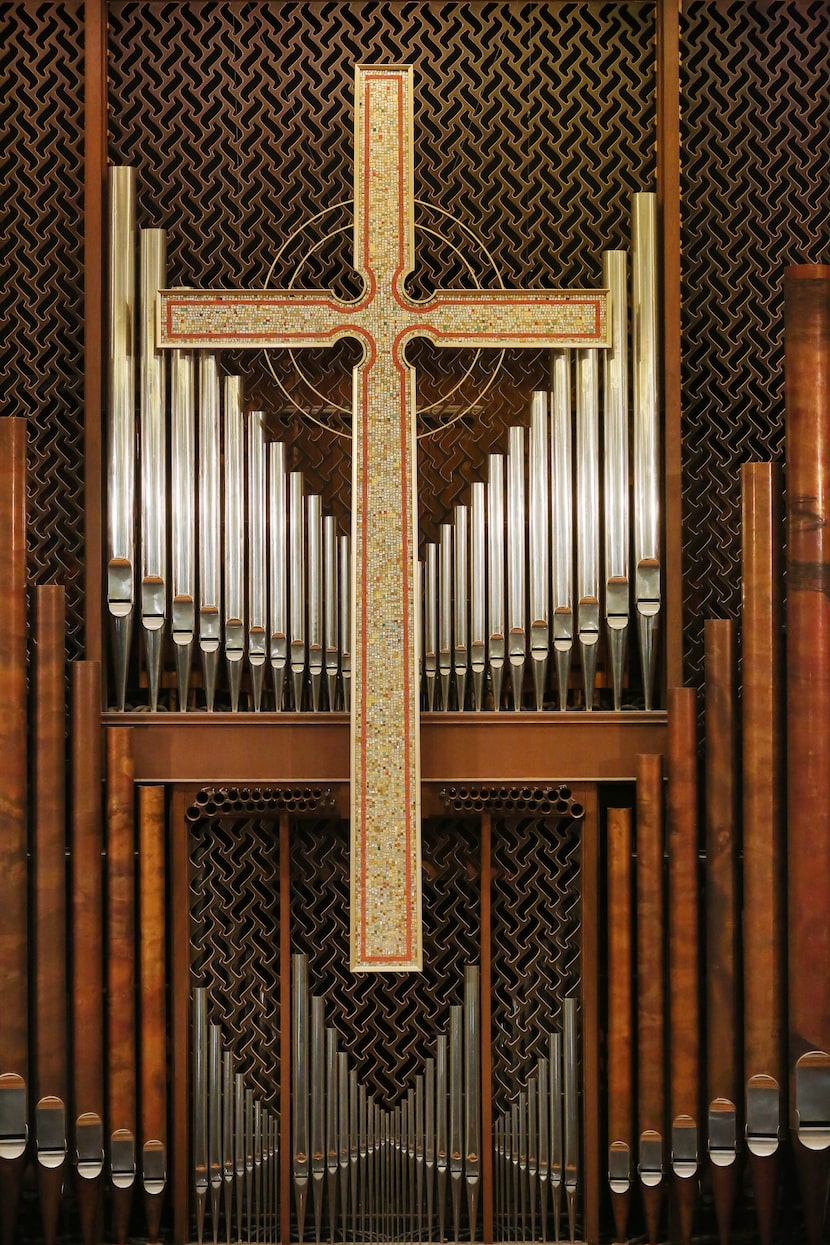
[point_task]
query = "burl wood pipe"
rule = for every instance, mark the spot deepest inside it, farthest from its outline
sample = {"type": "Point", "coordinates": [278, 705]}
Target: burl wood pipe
{"type": "Point", "coordinates": [620, 1004]}
{"type": "Point", "coordinates": [14, 1014]}
{"type": "Point", "coordinates": [807, 386]}
{"type": "Point", "coordinates": [651, 1095]}
{"type": "Point", "coordinates": [723, 911]}
{"type": "Point", "coordinates": [764, 869]}
{"type": "Point", "coordinates": [121, 968]}
{"type": "Point", "coordinates": [684, 942]}
{"type": "Point", "coordinates": [49, 1071]}
{"type": "Point", "coordinates": [151, 817]}
{"type": "Point", "coordinates": [87, 903]}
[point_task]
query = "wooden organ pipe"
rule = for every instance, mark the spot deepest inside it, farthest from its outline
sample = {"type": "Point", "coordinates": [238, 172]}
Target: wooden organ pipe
{"type": "Point", "coordinates": [86, 830]}
{"type": "Point", "coordinates": [121, 1031]}
{"type": "Point", "coordinates": [683, 972]}
{"type": "Point", "coordinates": [152, 938]}
{"type": "Point", "coordinates": [14, 1014]}
{"type": "Point", "coordinates": [764, 885]}
{"type": "Point", "coordinates": [807, 384]}
{"type": "Point", "coordinates": [723, 910]}
{"type": "Point", "coordinates": [651, 1104]}
{"type": "Point", "coordinates": [620, 1016]}
{"type": "Point", "coordinates": [49, 1068]}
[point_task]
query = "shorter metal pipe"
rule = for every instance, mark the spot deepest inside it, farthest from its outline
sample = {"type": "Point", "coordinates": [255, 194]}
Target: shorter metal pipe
{"type": "Point", "coordinates": [460, 604]}
{"type": "Point", "coordinates": [278, 560]}
{"type": "Point", "coordinates": [497, 639]}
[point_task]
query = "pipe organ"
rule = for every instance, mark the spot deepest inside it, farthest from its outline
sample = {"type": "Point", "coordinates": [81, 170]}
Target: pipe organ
{"type": "Point", "coordinates": [622, 1026]}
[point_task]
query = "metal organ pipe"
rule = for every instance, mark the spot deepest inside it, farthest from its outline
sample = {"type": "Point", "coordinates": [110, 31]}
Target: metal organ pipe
{"type": "Point", "coordinates": [153, 459]}
{"type": "Point", "coordinates": [234, 536]}
{"type": "Point", "coordinates": [617, 535]}
{"type": "Point", "coordinates": [210, 625]}
{"type": "Point", "coordinates": [183, 516]}
{"type": "Point", "coordinates": [257, 595]}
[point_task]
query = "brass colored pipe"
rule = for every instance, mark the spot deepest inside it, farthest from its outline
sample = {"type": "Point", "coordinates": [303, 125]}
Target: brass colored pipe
{"type": "Point", "coordinates": [620, 1015]}
{"type": "Point", "coordinates": [651, 1105]}
{"type": "Point", "coordinates": [153, 1026]}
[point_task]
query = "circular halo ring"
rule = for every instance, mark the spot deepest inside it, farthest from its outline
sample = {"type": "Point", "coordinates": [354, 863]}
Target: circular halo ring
{"type": "Point", "coordinates": [343, 410]}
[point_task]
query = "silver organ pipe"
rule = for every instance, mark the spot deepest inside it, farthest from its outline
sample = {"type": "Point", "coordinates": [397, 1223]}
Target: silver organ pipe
{"type": "Point", "coordinates": [332, 606]}
{"type": "Point", "coordinates": [445, 614]}
{"type": "Point", "coordinates": [183, 516]}
{"type": "Point", "coordinates": [121, 567]}
{"type": "Point", "coordinates": [257, 581]}
{"type": "Point", "coordinates": [647, 589]}
{"type": "Point", "coordinates": [587, 515]}
{"type": "Point", "coordinates": [210, 626]}
{"type": "Point", "coordinates": [561, 474]}
{"type": "Point", "coordinates": [615, 424]}
{"type": "Point", "coordinates": [516, 576]}
{"type": "Point", "coordinates": [496, 643]}
{"type": "Point", "coordinates": [297, 585]}
{"type": "Point", "coordinates": [278, 559]}
{"type": "Point", "coordinates": [153, 261]}
{"type": "Point", "coordinates": [234, 537]}
{"type": "Point", "coordinates": [431, 621]}
{"type": "Point", "coordinates": [461, 562]}
{"type": "Point", "coordinates": [314, 532]}
{"type": "Point", "coordinates": [478, 588]}
{"type": "Point", "coordinates": [539, 543]}
{"type": "Point", "coordinates": [346, 607]}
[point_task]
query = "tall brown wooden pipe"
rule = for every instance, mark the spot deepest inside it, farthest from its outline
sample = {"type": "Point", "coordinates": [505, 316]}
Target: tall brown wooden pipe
{"type": "Point", "coordinates": [49, 1070]}
{"type": "Point", "coordinates": [121, 1026]}
{"type": "Point", "coordinates": [620, 1006]}
{"type": "Point", "coordinates": [723, 907]}
{"type": "Point", "coordinates": [807, 380]}
{"type": "Point", "coordinates": [87, 901]}
{"type": "Point", "coordinates": [651, 1100]}
{"type": "Point", "coordinates": [684, 950]}
{"type": "Point", "coordinates": [764, 863]}
{"type": "Point", "coordinates": [14, 1014]}
{"type": "Point", "coordinates": [152, 924]}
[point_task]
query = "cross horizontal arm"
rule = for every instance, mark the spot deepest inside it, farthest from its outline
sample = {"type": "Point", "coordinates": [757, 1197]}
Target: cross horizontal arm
{"type": "Point", "coordinates": [509, 318]}
{"type": "Point", "coordinates": [254, 319]}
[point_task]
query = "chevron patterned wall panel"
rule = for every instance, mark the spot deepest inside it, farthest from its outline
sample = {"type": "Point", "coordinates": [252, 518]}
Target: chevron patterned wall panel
{"type": "Point", "coordinates": [755, 134]}
{"type": "Point", "coordinates": [534, 123]}
{"type": "Point", "coordinates": [387, 1022]}
{"type": "Point", "coordinates": [41, 224]}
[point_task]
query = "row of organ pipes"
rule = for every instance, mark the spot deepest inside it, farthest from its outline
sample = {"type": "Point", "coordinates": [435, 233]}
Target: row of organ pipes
{"type": "Point", "coordinates": [256, 573]}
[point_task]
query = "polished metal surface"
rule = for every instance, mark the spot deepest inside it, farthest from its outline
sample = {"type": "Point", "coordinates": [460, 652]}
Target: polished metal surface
{"type": "Point", "coordinates": [646, 430]}
{"type": "Point", "coordinates": [234, 534]}
{"type": "Point", "coordinates": [516, 565]}
{"type": "Point", "coordinates": [257, 569]}
{"type": "Point", "coordinates": [570, 1075]}
{"type": "Point", "coordinates": [472, 1091]}
{"type": "Point", "coordinates": [461, 603]}
{"type": "Point", "coordinates": [210, 548]}
{"type": "Point", "coordinates": [314, 539]}
{"type": "Point", "coordinates": [297, 586]}
{"type": "Point", "coordinates": [431, 622]}
{"type": "Point", "coordinates": [587, 515]}
{"type": "Point", "coordinates": [183, 516]}
{"type": "Point", "coordinates": [153, 461]}
{"type": "Point", "coordinates": [346, 607]}
{"type": "Point", "coordinates": [215, 1171]}
{"type": "Point", "coordinates": [539, 542]}
{"type": "Point", "coordinates": [561, 478]}
{"type": "Point", "coordinates": [445, 578]}
{"type": "Point", "coordinates": [300, 1165]}
{"type": "Point", "coordinates": [331, 636]}
{"type": "Point", "coordinates": [497, 638]}
{"type": "Point", "coordinates": [478, 591]}
{"type": "Point", "coordinates": [318, 1108]}
{"type": "Point", "coordinates": [278, 567]}
{"type": "Point", "coordinates": [199, 1098]}
{"type": "Point", "coordinates": [616, 467]}
{"type": "Point", "coordinates": [121, 448]}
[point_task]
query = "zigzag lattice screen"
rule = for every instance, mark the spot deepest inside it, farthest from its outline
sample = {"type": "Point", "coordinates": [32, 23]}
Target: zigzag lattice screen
{"type": "Point", "coordinates": [756, 184]}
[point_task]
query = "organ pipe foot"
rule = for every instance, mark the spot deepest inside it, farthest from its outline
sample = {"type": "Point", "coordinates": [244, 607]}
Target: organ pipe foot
{"type": "Point", "coordinates": [50, 1188]}
{"type": "Point", "coordinates": [257, 684]}
{"type": "Point", "coordinates": [724, 1191]}
{"type": "Point", "coordinates": [153, 1206]}
{"type": "Point", "coordinates": [297, 685]}
{"type": "Point", "coordinates": [228, 1199]}
{"type": "Point", "coordinates": [50, 1138]}
{"type": "Point", "coordinates": [478, 688]}
{"type": "Point", "coordinates": [317, 1191]}
{"type": "Point", "coordinates": [473, 1190]}
{"type": "Point", "coordinates": [201, 1203]}
{"type": "Point", "coordinates": [764, 1172]}
{"type": "Point", "coordinates": [210, 669]}
{"type": "Point", "coordinates": [652, 1206]}
{"type": "Point", "coordinates": [648, 654]}
{"type": "Point", "coordinates": [445, 690]}
{"type": "Point", "coordinates": [300, 1199]}
{"type": "Point", "coordinates": [557, 1212]}
{"type": "Point", "coordinates": [563, 674]}
{"type": "Point", "coordinates": [153, 641]}
{"type": "Point", "coordinates": [540, 675]}
{"type": "Point", "coordinates": [278, 678]}
{"type": "Point", "coordinates": [570, 1194]}
{"type": "Point", "coordinates": [517, 670]}
{"type": "Point", "coordinates": [813, 1170]}
{"type": "Point", "coordinates": [441, 1181]}
{"type": "Point", "coordinates": [588, 653]}
{"type": "Point", "coordinates": [215, 1204]}
{"type": "Point", "coordinates": [496, 678]}
{"type": "Point", "coordinates": [685, 1196]}
{"type": "Point", "coordinates": [122, 1201]}
{"type": "Point", "coordinates": [460, 688]}
{"type": "Point", "coordinates": [234, 665]}
{"type": "Point", "coordinates": [184, 657]}
{"type": "Point", "coordinates": [347, 690]}
{"type": "Point", "coordinates": [455, 1184]}
{"type": "Point", "coordinates": [316, 683]}
{"type": "Point", "coordinates": [88, 1195]}
{"type": "Point", "coordinates": [617, 638]}
{"type": "Point", "coordinates": [11, 1179]}
{"type": "Point", "coordinates": [331, 683]}
{"type": "Point", "coordinates": [543, 1210]}
{"type": "Point", "coordinates": [122, 630]}
{"type": "Point", "coordinates": [620, 1207]}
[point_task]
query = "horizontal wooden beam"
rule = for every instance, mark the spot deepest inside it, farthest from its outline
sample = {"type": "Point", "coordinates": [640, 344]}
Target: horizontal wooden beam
{"type": "Point", "coordinates": [314, 748]}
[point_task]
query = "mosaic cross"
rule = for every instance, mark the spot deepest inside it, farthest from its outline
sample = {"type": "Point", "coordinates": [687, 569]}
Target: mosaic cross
{"type": "Point", "coordinates": [385, 764]}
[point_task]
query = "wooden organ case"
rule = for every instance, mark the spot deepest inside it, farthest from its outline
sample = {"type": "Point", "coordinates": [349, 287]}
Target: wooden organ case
{"type": "Point", "coordinates": [602, 1043]}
